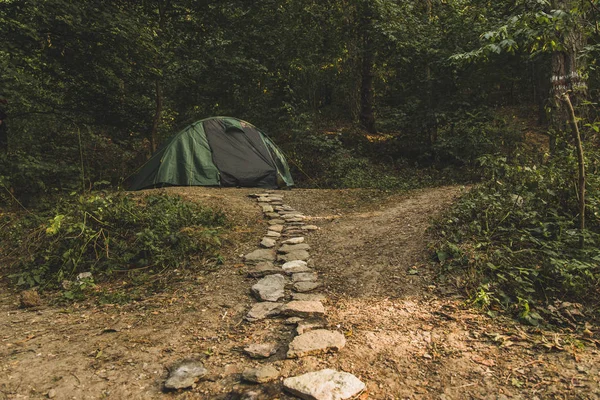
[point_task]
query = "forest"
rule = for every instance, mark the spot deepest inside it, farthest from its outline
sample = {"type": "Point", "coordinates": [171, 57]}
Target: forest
{"type": "Point", "coordinates": [379, 94]}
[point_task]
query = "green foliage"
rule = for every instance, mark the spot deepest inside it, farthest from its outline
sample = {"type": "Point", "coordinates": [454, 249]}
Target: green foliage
{"type": "Point", "coordinates": [107, 232]}
{"type": "Point", "coordinates": [514, 238]}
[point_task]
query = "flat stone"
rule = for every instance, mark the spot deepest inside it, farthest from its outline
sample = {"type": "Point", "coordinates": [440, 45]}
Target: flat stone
{"type": "Point", "coordinates": [296, 266]}
{"type": "Point", "coordinates": [267, 209]}
{"type": "Point", "coordinates": [289, 248]}
{"type": "Point", "coordinates": [261, 350]}
{"type": "Point", "coordinates": [289, 212]}
{"type": "Point", "coordinates": [310, 227]}
{"type": "Point", "coordinates": [310, 324]}
{"type": "Point", "coordinates": [295, 240]}
{"type": "Point", "coordinates": [276, 228]}
{"type": "Point", "coordinates": [260, 375]}
{"type": "Point", "coordinates": [292, 320]}
{"type": "Point", "coordinates": [260, 255]}
{"type": "Point", "coordinates": [270, 288]}
{"type": "Point", "coordinates": [276, 222]}
{"type": "Point", "coordinates": [294, 220]}
{"type": "Point", "coordinates": [184, 374]}
{"type": "Point", "coordinates": [268, 242]}
{"type": "Point", "coordinates": [304, 277]}
{"type": "Point", "coordinates": [264, 199]}
{"type": "Point", "coordinates": [288, 208]}
{"type": "Point", "coordinates": [294, 255]}
{"type": "Point", "coordinates": [294, 233]}
{"type": "Point", "coordinates": [326, 384]}
{"type": "Point", "coordinates": [309, 297]}
{"type": "Point", "coordinates": [263, 269]}
{"type": "Point", "coordinates": [275, 198]}
{"type": "Point", "coordinates": [263, 310]}
{"type": "Point", "coordinates": [273, 234]}
{"type": "Point", "coordinates": [272, 215]}
{"type": "Point", "coordinates": [303, 309]}
{"type": "Point", "coordinates": [302, 287]}
{"type": "Point", "coordinates": [316, 342]}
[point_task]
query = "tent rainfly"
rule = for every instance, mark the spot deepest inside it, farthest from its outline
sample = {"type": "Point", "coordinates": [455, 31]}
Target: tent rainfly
{"type": "Point", "coordinates": [218, 151]}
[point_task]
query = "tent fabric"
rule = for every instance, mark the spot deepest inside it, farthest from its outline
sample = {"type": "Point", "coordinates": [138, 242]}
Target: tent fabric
{"type": "Point", "coordinates": [218, 151]}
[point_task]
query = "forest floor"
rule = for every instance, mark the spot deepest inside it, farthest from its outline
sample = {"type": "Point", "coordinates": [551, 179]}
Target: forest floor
{"type": "Point", "coordinates": [408, 335]}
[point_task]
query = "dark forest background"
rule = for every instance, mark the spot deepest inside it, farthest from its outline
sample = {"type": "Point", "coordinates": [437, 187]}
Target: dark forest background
{"type": "Point", "coordinates": [379, 94]}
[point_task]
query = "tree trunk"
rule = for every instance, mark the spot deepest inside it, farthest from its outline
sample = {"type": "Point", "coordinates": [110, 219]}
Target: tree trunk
{"type": "Point", "coordinates": [157, 115]}
{"type": "Point", "coordinates": [367, 114]}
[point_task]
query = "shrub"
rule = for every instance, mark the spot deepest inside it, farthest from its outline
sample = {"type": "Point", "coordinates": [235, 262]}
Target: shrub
{"type": "Point", "coordinates": [514, 238]}
{"type": "Point", "coordinates": [104, 232]}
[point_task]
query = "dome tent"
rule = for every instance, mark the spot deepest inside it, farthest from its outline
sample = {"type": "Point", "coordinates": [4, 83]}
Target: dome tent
{"type": "Point", "coordinates": [218, 151]}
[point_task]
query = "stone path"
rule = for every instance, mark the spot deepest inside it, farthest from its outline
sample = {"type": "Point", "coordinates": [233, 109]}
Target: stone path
{"type": "Point", "coordinates": [286, 287]}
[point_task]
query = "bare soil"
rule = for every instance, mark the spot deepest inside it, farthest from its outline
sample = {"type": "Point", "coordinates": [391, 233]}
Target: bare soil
{"type": "Point", "coordinates": [408, 336]}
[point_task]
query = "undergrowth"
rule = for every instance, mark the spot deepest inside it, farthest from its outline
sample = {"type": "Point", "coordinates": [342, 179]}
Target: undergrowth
{"type": "Point", "coordinates": [512, 241]}
{"type": "Point", "coordinates": [104, 233]}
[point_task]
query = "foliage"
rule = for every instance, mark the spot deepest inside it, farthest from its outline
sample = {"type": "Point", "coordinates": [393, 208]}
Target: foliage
{"type": "Point", "coordinates": [106, 232]}
{"type": "Point", "coordinates": [514, 238]}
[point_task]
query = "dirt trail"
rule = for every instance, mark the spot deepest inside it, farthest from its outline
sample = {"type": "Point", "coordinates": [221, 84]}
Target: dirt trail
{"type": "Point", "coordinates": [405, 338]}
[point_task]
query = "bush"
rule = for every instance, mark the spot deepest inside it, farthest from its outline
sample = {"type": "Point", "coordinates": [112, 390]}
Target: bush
{"type": "Point", "coordinates": [514, 239]}
{"type": "Point", "coordinates": [105, 232]}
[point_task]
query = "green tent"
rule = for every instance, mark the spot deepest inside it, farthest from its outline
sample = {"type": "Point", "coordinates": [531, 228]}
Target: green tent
{"type": "Point", "coordinates": [219, 151]}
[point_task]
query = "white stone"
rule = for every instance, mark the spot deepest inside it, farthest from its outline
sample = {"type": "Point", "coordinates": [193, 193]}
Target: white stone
{"type": "Point", "coordinates": [270, 288]}
{"type": "Point", "coordinates": [295, 240]}
{"type": "Point", "coordinates": [184, 374]}
{"type": "Point", "coordinates": [303, 309]}
{"type": "Point", "coordinates": [302, 287]}
{"type": "Point", "coordinates": [316, 342]}
{"type": "Point", "coordinates": [260, 255]}
{"type": "Point", "coordinates": [296, 266]}
{"type": "Point", "coordinates": [262, 269]}
{"type": "Point", "coordinates": [304, 277]}
{"type": "Point", "coordinates": [268, 242]}
{"type": "Point", "coordinates": [263, 310]}
{"type": "Point", "coordinates": [326, 384]}
{"type": "Point", "coordinates": [294, 255]}
{"type": "Point", "coordinates": [276, 228]}
{"type": "Point", "coordinates": [261, 350]}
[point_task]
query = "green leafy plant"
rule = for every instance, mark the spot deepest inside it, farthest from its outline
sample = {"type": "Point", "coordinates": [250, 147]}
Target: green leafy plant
{"type": "Point", "coordinates": [107, 232]}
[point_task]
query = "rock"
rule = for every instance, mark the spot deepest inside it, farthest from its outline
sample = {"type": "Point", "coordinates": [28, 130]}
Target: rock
{"type": "Point", "coordinates": [184, 374]}
{"type": "Point", "coordinates": [261, 350]}
{"type": "Point", "coordinates": [295, 240]}
{"type": "Point", "coordinates": [30, 298]}
{"type": "Point", "coordinates": [273, 234]}
{"type": "Point", "coordinates": [311, 324]}
{"type": "Point", "coordinates": [263, 310]}
{"type": "Point", "coordinates": [268, 209]}
{"type": "Point", "coordinates": [268, 242]}
{"type": "Point", "coordinates": [276, 222]}
{"type": "Point", "coordinates": [302, 287]}
{"type": "Point", "coordinates": [260, 255]}
{"type": "Point", "coordinates": [270, 288]}
{"type": "Point", "coordinates": [294, 233]}
{"type": "Point", "coordinates": [263, 269]}
{"type": "Point", "coordinates": [276, 228]}
{"type": "Point", "coordinates": [272, 215]}
{"type": "Point", "coordinates": [276, 198]}
{"type": "Point", "coordinates": [309, 297]}
{"type": "Point", "coordinates": [294, 220]}
{"type": "Point", "coordinates": [326, 384]}
{"type": "Point", "coordinates": [264, 199]}
{"type": "Point", "coordinates": [84, 275]}
{"type": "Point", "coordinates": [310, 228]}
{"type": "Point", "coordinates": [296, 266]}
{"type": "Point", "coordinates": [316, 342]}
{"type": "Point", "coordinates": [303, 309]}
{"type": "Point", "coordinates": [294, 255]}
{"type": "Point", "coordinates": [51, 393]}
{"type": "Point", "coordinates": [292, 320]}
{"type": "Point", "coordinates": [260, 375]}
{"type": "Point", "coordinates": [305, 277]}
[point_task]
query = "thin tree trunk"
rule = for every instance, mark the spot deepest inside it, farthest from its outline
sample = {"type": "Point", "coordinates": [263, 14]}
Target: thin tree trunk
{"type": "Point", "coordinates": [367, 114]}
{"type": "Point", "coordinates": [157, 115]}
{"type": "Point", "coordinates": [581, 167]}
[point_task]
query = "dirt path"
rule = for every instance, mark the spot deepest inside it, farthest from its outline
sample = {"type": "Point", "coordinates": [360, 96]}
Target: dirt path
{"type": "Point", "coordinates": [405, 339]}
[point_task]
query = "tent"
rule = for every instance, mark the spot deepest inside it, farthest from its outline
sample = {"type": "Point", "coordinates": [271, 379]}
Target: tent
{"type": "Point", "coordinates": [218, 151]}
